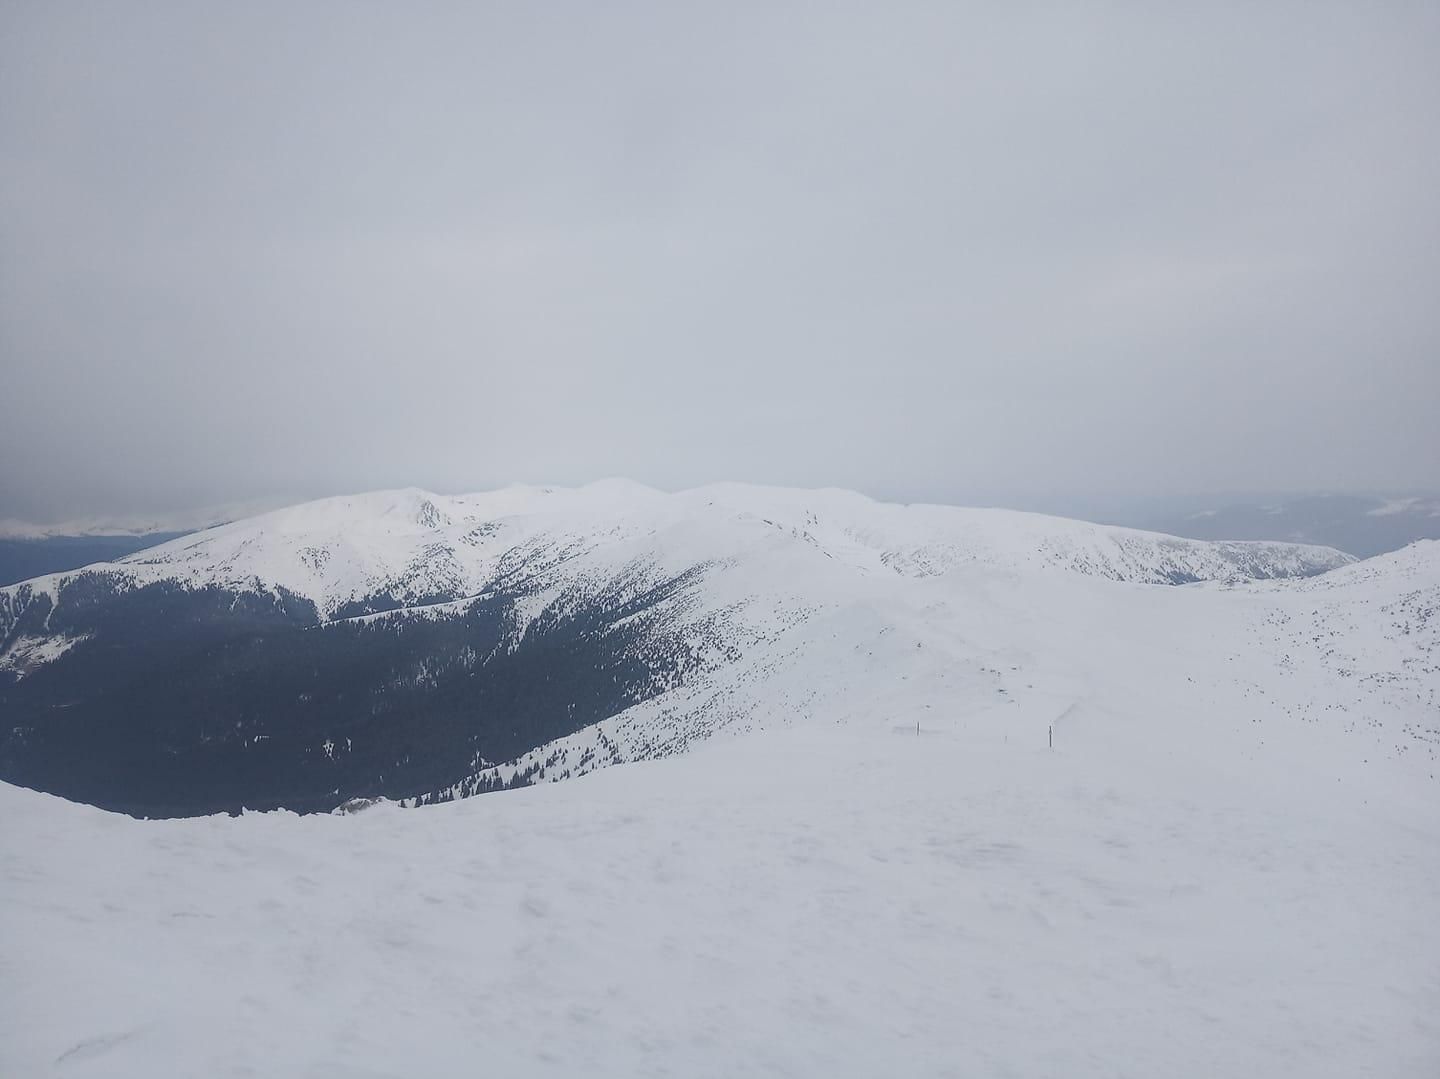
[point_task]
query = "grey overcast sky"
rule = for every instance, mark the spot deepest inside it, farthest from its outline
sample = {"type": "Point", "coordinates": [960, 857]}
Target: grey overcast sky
{"type": "Point", "coordinates": [951, 251]}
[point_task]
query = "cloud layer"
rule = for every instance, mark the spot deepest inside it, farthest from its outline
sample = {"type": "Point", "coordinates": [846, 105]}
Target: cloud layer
{"type": "Point", "coordinates": [942, 252]}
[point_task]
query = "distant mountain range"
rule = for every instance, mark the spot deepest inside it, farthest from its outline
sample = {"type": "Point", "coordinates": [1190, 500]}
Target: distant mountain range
{"type": "Point", "coordinates": [28, 549]}
{"type": "Point", "coordinates": [140, 524]}
{"type": "Point", "coordinates": [21, 559]}
{"type": "Point", "coordinates": [1362, 525]}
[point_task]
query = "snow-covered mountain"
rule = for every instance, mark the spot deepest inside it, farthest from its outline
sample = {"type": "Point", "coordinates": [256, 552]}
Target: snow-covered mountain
{"type": "Point", "coordinates": [413, 645]}
{"type": "Point", "coordinates": [410, 546]}
{"type": "Point", "coordinates": [1362, 525]}
{"type": "Point", "coordinates": [977, 821]}
{"type": "Point", "coordinates": [966, 790]}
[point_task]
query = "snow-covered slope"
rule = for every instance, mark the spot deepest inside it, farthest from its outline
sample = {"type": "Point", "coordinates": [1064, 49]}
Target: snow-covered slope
{"type": "Point", "coordinates": [846, 902]}
{"type": "Point", "coordinates": [1344, 668]}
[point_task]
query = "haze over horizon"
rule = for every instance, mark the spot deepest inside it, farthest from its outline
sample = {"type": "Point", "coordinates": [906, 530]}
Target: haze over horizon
{"type": "Point", "coordinates": [1145, 511]}
{"type": "Point", "coordinates": [978, 256]}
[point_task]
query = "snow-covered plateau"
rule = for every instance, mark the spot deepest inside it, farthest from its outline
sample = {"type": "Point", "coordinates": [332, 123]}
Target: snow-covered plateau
{"type": "Point", "coordinates": [903, 791]}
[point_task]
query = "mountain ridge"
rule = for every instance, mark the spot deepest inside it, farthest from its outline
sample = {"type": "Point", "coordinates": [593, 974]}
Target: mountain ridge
{"type": "Point", "coordinates": [416, 646]}
{"type": "Point", "coordinates": [235, 554]}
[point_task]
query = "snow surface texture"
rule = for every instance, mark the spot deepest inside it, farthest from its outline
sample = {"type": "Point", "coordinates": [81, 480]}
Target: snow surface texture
{"type": "Point", "coordinates": [838, 902]}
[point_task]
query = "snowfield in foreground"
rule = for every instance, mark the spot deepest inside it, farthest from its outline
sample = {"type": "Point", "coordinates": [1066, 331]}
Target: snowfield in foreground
{"type": "Point", "coordinates": [841, 901]}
